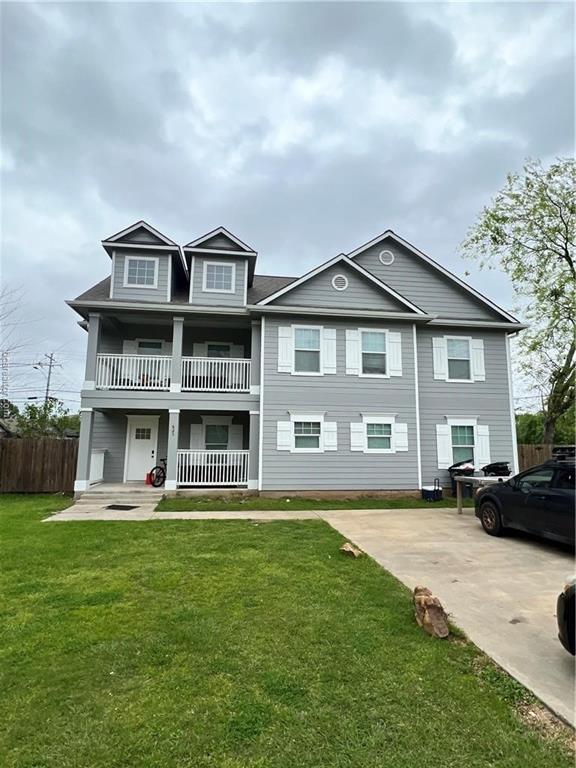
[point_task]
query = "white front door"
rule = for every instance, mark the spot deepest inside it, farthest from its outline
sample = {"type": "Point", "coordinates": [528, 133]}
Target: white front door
{"type": "Point", "coordinates": [141, 447]}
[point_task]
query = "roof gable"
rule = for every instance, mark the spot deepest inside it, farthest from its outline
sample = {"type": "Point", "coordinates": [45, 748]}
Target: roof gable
{"type": "Point", "coordinates": [220, 239]}
{"type": "Point", "coordinates": [140, 233]}
{"type": "Point", "coordinates": [362, 288]}
{"type": "Point", "coordinates": [428, 283]}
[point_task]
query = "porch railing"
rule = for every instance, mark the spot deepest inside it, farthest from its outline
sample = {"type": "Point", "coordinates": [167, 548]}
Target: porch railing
{"type": "Point", "coordinates": [133, 372]}
{"type": "Point", "coordinates": [212, 468]}
{"type": "Point", "coordinates": [215, 374]}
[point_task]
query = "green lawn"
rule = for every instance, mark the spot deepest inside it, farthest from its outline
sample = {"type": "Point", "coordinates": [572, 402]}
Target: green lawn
{"type": "Point", "coordinates": [250, 503]}
{"type": "Point", "coordinates": [179, 644]}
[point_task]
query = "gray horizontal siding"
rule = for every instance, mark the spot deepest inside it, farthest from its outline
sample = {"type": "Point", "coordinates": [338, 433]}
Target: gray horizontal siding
{"type": "Point", "coordinates": [488, 400]}
{"type": "Point", "coordinates": [202, 298]}
{"type": "Point", "coordinates": [423, 285]}
{"type": "Point", "coordinates": [360, 293]}
{"type": "Point", "coordinates": [140, 294]}
{"type": "Point", "coordinates": [343, 398]}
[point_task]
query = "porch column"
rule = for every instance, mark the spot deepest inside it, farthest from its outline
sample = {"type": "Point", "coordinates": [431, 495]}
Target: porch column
{"type": "Point", "coordinates": [255, 358]}
{"type": "Point", "coordinates": [177, 335]}
{"type": "Point", "coordinates": [172, 454]}
{"type": "Point", "coordinates": [84, 450]}
{"type": "Point", "coordinates": [254, 445]}
{"type": "Point", "coordinates": [94, 325]}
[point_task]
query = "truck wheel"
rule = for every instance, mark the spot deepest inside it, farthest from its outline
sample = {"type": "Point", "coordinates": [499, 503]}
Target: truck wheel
{"type": "Point", "coordinates": [491, 519]}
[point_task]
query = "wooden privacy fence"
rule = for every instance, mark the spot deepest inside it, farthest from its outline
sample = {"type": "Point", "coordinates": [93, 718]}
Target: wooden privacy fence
{"type": "Point", "coordinates": [531, 454]}
{"type": "Point", "coordinates": [43, 465]}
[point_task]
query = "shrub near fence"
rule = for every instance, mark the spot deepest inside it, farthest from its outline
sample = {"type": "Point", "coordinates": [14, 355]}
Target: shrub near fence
{"type": "Point", "coordinates": [43, 465]}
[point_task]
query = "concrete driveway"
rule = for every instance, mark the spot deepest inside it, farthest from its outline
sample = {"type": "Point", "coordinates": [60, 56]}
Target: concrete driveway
{"type": "Point", "coordinates": [501, 592]}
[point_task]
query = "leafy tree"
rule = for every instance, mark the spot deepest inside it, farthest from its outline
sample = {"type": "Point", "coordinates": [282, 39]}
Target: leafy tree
{"type": "Point", "coordinates": [529, 231]}
{"type": "Point", "coordinates": [50, 419]}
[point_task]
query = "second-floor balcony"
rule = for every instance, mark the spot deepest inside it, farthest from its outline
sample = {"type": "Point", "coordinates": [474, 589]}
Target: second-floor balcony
{"type": "Point", "coordinates": [154, 373]}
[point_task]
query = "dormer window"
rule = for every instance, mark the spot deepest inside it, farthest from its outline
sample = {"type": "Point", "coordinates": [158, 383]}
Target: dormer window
{"type": "Point", "coordinates": [218, 277]}
{"type": "Point", "coordinates": [141, 272]}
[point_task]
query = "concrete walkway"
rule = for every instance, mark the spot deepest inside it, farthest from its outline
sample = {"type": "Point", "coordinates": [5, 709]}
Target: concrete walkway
{"type": "Point", "coordinates": [501, 591]}
{"type": "Point", "coordinates": [147, 512]}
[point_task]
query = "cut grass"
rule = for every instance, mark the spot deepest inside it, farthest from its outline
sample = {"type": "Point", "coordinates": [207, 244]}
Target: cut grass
{"type": "Point", "coordinates": [235, 503]}
{"type": "Point", "coordinates": [230, 645]}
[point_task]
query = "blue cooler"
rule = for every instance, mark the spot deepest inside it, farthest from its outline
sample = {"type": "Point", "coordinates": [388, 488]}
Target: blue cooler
{"type": "Point", "coordinates": [432, 492]}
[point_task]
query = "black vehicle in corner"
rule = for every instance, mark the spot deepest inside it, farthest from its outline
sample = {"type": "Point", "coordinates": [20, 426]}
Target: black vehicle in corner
{"type": "Point", "coordinates": [539, 501]}
{"type": "Point", "coordinates": [565, 615]}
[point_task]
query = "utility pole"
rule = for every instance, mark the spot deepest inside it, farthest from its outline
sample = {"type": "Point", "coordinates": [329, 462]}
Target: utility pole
{"type": "Point", "coordinates": [50, 364]}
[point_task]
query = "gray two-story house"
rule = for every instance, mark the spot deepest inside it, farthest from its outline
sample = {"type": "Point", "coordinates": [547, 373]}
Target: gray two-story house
{"type": "Point", "coordinates": [375, 371]}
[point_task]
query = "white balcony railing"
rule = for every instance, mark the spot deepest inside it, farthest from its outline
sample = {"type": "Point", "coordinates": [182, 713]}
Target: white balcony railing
{"type": "Point", "coordinates": [212, 468]}
{"type": "Point", "coordinates": [133, 372]}
{"type": "Point", "coordinates": [215, 374]}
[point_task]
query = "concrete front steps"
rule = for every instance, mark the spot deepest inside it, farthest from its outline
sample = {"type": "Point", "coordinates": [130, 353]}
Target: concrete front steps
{"type": "Point", "coordinates": [133, 495]}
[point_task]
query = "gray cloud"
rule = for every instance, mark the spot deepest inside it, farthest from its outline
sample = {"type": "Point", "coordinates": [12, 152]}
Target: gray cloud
{"type": "Point", "coordinates": [307, 128]}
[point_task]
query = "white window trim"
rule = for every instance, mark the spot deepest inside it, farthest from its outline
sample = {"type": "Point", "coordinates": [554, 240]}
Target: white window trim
{"type": "Point", "coordinates": [463, 421]}
{"type": "Point", "coordinates": [213, 420]}
{"type": "Point", "coordinates": [387, 353]}
{"type": "Point", "coordinates": [320, 371]}
{"type": "Point", "coordinates": [390, 419]}
{"type": "Point", "coordinates": [229, 264]}
{"type": "Point", "coordinates": [448, 358]}
{"type": "Point", "coordinates": [128, 259]}
{"type": "Point", "coordinates": [318, 417]}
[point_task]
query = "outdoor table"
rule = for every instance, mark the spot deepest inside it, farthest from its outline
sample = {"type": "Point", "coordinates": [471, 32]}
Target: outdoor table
{"type": "Point", "coordinates": [475, 482]}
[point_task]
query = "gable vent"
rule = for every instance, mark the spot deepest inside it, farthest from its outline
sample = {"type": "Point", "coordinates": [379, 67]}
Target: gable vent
{"type": "Point", "coordinates": [386, 258]}
{"type": "Point", "coordinates": [340, 282]}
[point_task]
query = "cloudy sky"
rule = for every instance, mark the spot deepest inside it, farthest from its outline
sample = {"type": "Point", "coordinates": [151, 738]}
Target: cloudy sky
{"type": "Point", "coordinates": [305, 128]}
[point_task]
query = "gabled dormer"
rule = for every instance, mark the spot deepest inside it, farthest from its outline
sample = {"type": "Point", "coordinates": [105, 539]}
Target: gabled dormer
{"type": "Point", "coordinates": [146, 265]}
{"type": "Point", "coordinates": [221, 269]}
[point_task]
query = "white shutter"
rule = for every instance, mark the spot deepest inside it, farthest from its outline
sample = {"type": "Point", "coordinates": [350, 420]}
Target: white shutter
{"type": "Point", "coordinates": [237, 351]}
{"type": "Point", "coordinates": [477, 361]}
{"type": "Point", "coordinates": [329, 350]}
{"type": "Point", "coordinates": [235, 437]}
{"type": "Point", "coordinates": [395, 353]}
{"type": "Point", "coordinates": [357, 436]}
{"type": "Point", "coordinates": [353, 352]}
{"type": "Point", "coordinates": [444, 445]}
{"type": "Point", "coordinates": [283, 435]}
{"type": "Point", "coordinates": [285, 349]}
{"type": "Point", "coordinates": [440, 356]}
{"type": "Point", "coordinates": [482, 445]}
{"type": "Point", "coordinates": [129, 347]}
{"type": "Point", "coordinates": [196, 435]}
{"type": "Point", "coordinates": [199, 349]}
{"type": "Point", "coordinates": [400, 437]}
{"type": "Point", "coordinates": [330, 435]}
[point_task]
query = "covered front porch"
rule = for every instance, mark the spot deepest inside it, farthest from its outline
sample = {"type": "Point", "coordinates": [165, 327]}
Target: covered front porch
{"type": "Point", "coordinates": [199, 448]}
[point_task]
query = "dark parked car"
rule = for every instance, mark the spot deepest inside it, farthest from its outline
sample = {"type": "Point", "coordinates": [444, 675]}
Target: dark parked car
{"type": "Point", "coordinates": [540, 501]}
{"type": "Point", "coordinates": [565, 615]}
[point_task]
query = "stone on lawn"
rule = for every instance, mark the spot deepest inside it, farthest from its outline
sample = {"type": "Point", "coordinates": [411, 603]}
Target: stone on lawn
{"type": "Point", "coordinates": [430, 614]}
{"type": "Point", "coordinates": [350, 550]}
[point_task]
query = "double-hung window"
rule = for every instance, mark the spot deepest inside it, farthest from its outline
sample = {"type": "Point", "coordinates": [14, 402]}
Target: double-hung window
{"type": "Point", "coordinates": [218, 277]}
{"type": "Point", "coordinates": [141, 272]}
{"type": "Point", "coordinates": [374, 353]}
{"type": "Point", "coordinates": [307, 350]}
{"type": "Point", "coordinates": [378, 437]}
{"type": "Point", "coordinates": [217, 349]}
{"type": "Point", "coordinates": [462, 443]}
{"type": "Point", "coordinates": [307, 435]}
{"type": "Point", "coordinates": [216, 437]}
{"type": "Point", "coordinates": [458, 353]}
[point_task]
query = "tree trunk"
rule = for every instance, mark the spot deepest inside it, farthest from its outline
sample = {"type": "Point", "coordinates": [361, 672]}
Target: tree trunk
{"type": "Point", "coordinates": [549, 431]}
